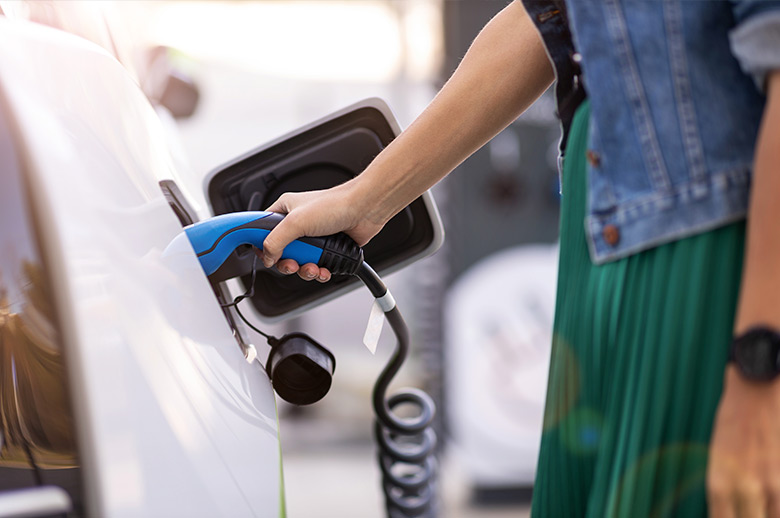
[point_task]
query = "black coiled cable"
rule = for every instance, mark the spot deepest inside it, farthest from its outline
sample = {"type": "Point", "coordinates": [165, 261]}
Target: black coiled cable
{"type": "Point", "coordinates": [406, 444]}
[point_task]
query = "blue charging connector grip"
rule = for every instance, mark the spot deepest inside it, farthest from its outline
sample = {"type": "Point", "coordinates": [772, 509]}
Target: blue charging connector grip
{"type": "Point", "coordinates": [216, 238]}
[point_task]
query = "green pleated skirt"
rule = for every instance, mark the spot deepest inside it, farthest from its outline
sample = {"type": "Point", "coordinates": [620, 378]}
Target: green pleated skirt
{"type": "Point", "coordinates": [638, 355]}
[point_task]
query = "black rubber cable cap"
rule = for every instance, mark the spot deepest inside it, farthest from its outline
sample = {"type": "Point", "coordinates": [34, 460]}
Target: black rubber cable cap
{"type": "Point", "coordinates": [300, 369]}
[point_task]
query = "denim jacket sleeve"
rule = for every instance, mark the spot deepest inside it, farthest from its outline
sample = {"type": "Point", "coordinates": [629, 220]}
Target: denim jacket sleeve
{"type": "Point", "coordinates": [755, 41]}
{"type": "Point", "coordinates": [551, 20]}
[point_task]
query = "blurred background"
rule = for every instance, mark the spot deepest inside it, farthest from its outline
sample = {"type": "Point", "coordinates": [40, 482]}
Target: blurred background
{"type": "Point", "coordinates": [228, 76]}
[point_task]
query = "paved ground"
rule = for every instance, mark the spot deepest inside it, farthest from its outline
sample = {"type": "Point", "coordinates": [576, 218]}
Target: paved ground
{"type": "Point", "coordinates": [344, 483]}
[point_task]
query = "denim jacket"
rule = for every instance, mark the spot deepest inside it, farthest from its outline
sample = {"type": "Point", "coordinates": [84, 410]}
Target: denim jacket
{"type": "Point", "coordinates": [675, 90]}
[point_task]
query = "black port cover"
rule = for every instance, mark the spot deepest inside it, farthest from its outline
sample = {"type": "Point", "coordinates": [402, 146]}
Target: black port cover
{"type": "Point", "coordinates": [322, 155]}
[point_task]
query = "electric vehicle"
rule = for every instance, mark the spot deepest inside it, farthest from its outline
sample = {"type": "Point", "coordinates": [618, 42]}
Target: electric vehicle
{"type": "Point", "coordinates": [128, 386]}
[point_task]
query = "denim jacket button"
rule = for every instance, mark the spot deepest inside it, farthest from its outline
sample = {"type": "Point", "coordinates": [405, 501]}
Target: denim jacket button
{"type": "Point", "coordinates": [593, 158]}
{"type": "Point", "coordinates": [611, 235]}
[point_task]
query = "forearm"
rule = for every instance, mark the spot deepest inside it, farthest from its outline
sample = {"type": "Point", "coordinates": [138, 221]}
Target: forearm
{"type": "Point", "coordinates": [503, 72]}
{"type": "Point", "coordinates": [760, 292]}
{"type": "Point", "coordinates": [744, 458]}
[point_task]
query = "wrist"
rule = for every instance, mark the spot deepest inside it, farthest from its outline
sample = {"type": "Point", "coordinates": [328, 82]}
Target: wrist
{"type": "Point", "coordinates": [374, 196]}
{"type": "Point", "coordinates": [360, 195]}
{"type": "Point", "coordinates": [755, 353]}
{"type": "Point", "coordinates": [739, 387]}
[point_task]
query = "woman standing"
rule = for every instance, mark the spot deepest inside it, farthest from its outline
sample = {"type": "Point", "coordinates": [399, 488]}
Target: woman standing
{"type": "Point", "coordinates": [671, 119]}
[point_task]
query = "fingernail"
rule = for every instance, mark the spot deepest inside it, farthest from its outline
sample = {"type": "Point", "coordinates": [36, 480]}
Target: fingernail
{"type": "Point", "coordinates": [286, 270]}
{"type": "Point", "coordinates": [322, 278]}
{"type": "Point", "coordinates": [267, 261]}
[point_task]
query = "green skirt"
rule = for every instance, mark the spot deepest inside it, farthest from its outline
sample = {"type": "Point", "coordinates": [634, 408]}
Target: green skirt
{"type": "Point", "coordinates": [638, 356]}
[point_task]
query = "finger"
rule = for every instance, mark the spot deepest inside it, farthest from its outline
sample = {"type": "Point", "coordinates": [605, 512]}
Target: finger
{"type": "Point", "coordinates": [774, 506]}
{"type": "Point", "coordinates": [752, 502]}
{"type": "Point", "coordinates": [281, 236]}
{"type": "Point", "coordinates": [324, 275]}
{"type": "Point", "coordinates": [721, 509]}
{"type": "Point", "coordinates": [720, 503]}
{"type": "Point", "coordinates": [309, 272]}
{"type": "Point", "coordinates": [287, 266]}
{"type": "Point", "coordinates": [773, 494]}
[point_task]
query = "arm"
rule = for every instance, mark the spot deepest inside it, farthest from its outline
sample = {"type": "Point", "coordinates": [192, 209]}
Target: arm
{"type": "Point", "coordinates": [744, 471]}
{"type": "Point", "coordinates": [503, 72]}
{"type": "Point", "coordinates": [760, 299]}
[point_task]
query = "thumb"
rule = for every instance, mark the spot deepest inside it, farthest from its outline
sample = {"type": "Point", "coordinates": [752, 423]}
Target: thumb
{"type": "Point", "coordinates": [281, 205]}
{"type": "Point", "coordinates": [281, 236]}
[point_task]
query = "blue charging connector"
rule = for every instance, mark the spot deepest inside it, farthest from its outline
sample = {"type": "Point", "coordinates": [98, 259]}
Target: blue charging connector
{"type": "Point", "coordinates": [216, 238]}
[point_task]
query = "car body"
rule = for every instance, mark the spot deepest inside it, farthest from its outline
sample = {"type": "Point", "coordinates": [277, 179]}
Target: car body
{"type": "Point", "coordinates": [167, 415]}
{"type": "Point", "coordinates": [128, 386]}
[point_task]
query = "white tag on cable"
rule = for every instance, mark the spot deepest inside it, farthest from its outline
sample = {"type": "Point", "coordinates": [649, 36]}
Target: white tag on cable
{"type": "Point", "coordinates": [374, 328]}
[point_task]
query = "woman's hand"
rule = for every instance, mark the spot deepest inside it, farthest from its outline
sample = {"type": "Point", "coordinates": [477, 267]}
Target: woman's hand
{"type": "Point", "coordinates": [743, 475]}
{"type": "Point", "coordinates": [317, 213]}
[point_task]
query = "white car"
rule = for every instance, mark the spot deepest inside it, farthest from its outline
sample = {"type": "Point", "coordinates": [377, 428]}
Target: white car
{"type": "Point", "coordinates": [126, 390]}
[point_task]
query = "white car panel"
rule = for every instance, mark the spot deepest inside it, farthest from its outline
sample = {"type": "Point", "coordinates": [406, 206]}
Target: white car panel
{"type": "Point", "coordinates": [172, 420]}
